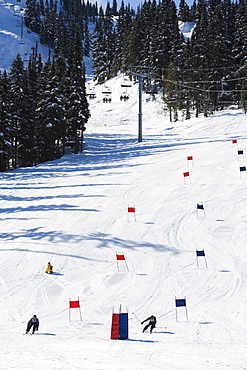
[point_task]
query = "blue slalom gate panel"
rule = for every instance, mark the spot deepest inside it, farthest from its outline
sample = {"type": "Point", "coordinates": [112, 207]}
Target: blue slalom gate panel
{"type": "Point", "coordinates": [200, 206]}
{"type": "Point", "coordinates": [200, 253]}
{"type": "Point", "coordinates": [123, 326]}
{"type": "Point", "coordinates": [180, 302]}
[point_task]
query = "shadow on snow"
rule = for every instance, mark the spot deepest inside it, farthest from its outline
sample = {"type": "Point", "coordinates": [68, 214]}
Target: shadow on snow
{"type": "Point", "coordinates": [102, 240]}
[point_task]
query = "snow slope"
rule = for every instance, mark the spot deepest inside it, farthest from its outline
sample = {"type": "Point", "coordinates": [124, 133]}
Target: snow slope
{"type": "Point", "coordinates": [73, 213]}
{"type": "Point", "coordinates": [14, 37]}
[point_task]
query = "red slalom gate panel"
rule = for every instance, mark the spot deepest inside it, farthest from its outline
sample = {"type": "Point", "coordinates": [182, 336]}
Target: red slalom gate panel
{"type": "Point", "coordinates": [186, 174]}
{"type": "Point", "coordinates": [234, 141]}
{"type": "Point", "coordinates": [74, 304]}
{"type": "Point", "coordinates": [120, 257]}
{"type": "Point", "coordinates": [115, 326]}
{"type": "Point", "coordinates": [190, 158]}
{"type": "Point", "coordinates": [131, 210]}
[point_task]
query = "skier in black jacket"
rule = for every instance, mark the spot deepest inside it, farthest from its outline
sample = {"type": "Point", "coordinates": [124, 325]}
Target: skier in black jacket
{"type": "Point", "coordinates": [152, 323]}
{"type": "Point", "coordinates": [33, 323]}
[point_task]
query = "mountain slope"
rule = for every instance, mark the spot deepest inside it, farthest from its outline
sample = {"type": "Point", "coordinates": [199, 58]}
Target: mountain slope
{"type": "Point", "coordinates": [73, 213]}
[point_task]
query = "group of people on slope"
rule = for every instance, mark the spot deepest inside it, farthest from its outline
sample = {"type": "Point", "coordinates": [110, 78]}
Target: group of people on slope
{"type": "Point", "coordinates": [33, 323]}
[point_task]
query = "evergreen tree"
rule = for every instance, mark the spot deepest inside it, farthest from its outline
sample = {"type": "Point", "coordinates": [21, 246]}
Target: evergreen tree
{"type": "Point", "coordinates": [45, 115]}
{"type": "Point", "coordinates": [193, 12]}
{"type": "Point", "coordinates": [27, 138]}
{"type": "Point", "coordinates": [219, 48]}
{"type": "Point", "coordinates": [109, 36]}
{"type": "Point", "coordinates": [198, 61]}
{"type": "Point", "coordinates": [41, 7]}
{"type": "Point", "coordinates": [146, 21]}
{"type": "Point", "coordinates": [162, 36]}
{"type": "Point", "coordinates": [32, 16]}
{"type": "Point", "coordinates": [77, 111]}
{"type": "Point", "coordinates": [124, 24]}
{"type": "Point", "coordinates": [240, 39]}
{"type": "Point", "coordinates": [86, 40]}
{"type": "Point", "coordinates": [176, 94]}
{"type": "Point", "coordinates": [5, 127]}
{"type": "Point", "coordinates": [47, 29]}
{"type": "Point", "coordinates": [19, 107]}
{"type": "Point", "coordinates": [60, 40]}
{"type": "Point", "coordinates": [132, 47]}
{"type": "Point", "coordinates": [99, 54]}
{"type": "Point", "coordinates": [219, 45]}
{"type": "Point", "coordinates": [240, 53]}
{"type": "Point", "coordinates": [184, 12]}
{"type": "Point", "coordinates": [59, 82]}
{"type": "Point", "coordinates": [114, 7]}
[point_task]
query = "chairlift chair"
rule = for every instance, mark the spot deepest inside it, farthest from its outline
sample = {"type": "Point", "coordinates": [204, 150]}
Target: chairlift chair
{"type": "Point", "coordinates": [126, 83]}
{"type": "Point", "coordinates": [151, 90]}
{"type": "Point", "coordinates": [106, 90]}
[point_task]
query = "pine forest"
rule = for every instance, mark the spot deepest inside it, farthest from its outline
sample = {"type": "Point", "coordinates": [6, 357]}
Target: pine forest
{"type": "Point", "coordinates": [44, 106]}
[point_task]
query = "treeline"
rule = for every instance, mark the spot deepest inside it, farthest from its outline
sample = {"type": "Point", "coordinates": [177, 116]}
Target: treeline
{"type": "Point", "coordinates": [43, 108]}
{"type": "Point", "coordinates": [213, 59]}
{"type": "Point", "coordinates": [55, 22]}
{"type": "Point", "coordinates": [211, 65]}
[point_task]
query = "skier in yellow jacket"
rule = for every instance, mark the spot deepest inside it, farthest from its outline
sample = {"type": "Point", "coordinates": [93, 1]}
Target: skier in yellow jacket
{"type": "Point", "coordinates": [49, 268]}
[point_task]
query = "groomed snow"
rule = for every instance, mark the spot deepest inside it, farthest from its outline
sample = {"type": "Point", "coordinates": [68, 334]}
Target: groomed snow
{"type": "Point", "coordinates": [73, 213]}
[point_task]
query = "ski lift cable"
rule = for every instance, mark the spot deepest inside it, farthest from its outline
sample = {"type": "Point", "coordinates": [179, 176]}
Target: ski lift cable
{"type": "Point", "coordinates": [196, 70]}
{"type": "Point", "coordinates": [228, 80]}
{"type": "Point", "coordinates": [209, 81]}
{"type": "Point", "coordinates": [200, 88]}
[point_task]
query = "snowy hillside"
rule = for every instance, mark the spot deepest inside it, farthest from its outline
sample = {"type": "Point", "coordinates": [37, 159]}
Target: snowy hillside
{"type": "Point", "coordinates": [15, 37]}
{"type": "Point", "coordinates": [73, 213]}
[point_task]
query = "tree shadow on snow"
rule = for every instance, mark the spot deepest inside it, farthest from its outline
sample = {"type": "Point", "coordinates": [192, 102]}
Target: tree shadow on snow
{"type": "Point", "coordinates": [101, 151]}
{"type": "Point", "coordinates": [206, 323]}
{"type": "Point", "coordinates": [103, 240]}
{"type": "Point", "coordinates": [50, 253]}
{"type": "Point", "coordinates": [95, 323]}
{"type": "Point", "coordinates": [141, 340]}
{"type": "Point", "coordinates": [224, 271]}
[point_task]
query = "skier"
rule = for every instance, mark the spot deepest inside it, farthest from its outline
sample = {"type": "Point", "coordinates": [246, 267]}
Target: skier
{"type": "Point", "coordinates": [49, 268]}
{"type": "Point", "coordinates": [33, 323]}
{"type": "Point", "coordinates": [152, 323]}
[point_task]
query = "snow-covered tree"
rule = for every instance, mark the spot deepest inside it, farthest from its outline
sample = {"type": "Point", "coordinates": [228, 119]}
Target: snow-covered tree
{"type": "Point", "coordinates": [77, 109]}
{"type": "Point", "coordinates": [5, 126]}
